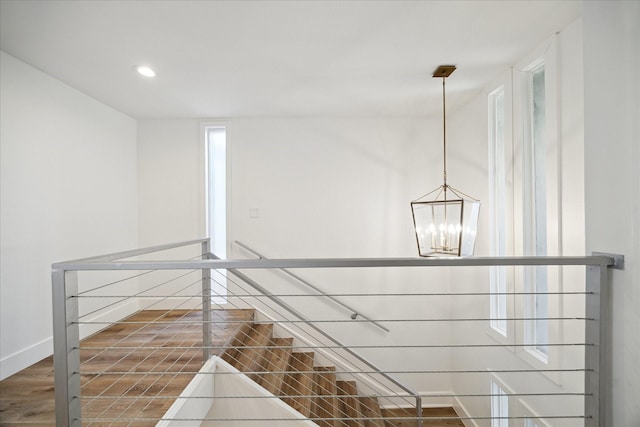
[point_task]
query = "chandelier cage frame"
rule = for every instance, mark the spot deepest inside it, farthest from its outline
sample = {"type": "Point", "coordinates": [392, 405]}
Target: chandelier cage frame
{"type": "Point", "coordinates": [445, 226]}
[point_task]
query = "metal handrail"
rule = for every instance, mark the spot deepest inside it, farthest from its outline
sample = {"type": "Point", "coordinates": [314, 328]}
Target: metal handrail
{"type": "Point", "coordinates": [354, 312]}
{"type": "Point", "coordinates": [134, 252]}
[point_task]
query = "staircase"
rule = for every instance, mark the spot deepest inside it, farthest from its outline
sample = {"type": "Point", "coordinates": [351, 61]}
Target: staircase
{"type": "Point", "coordinates": [314, 391]}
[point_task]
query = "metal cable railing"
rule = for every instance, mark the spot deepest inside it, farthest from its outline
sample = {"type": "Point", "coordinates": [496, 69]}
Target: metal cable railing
{"type": "Point", "coordinates": [300, 318]}
{"type": "Point", "coordinates": [154, 354]}
{"type": "Point", "coordinates": [126, 351]}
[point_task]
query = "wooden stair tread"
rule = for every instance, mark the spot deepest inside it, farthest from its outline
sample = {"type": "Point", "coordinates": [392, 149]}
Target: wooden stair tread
{"type": "Point", "coordinates": [276, 363]}
{"type": "Point", "coordinates": [314, 391]}
{"type": "Point", "coordinates": [349, 404]}
{"type": "Point", "coordinates": [325, 403]}
{"type": "Point", "coordinates": [250, 357]}
{"type": "Point", "coordinates": [299, 382]}
{"type": "Point", "coordinates": [371, 410]}
{"type": "Point", "coordinates": [234, 344]}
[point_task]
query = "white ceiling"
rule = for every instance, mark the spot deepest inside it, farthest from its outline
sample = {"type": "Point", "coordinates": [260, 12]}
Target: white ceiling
{"type": "Point", "coordinates": [277, 58]}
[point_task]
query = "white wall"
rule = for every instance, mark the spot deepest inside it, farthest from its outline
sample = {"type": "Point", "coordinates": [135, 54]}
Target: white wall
{"type": "Point", "coordinates": [341, 188]}
{"type": "Point", "coordinates": [324, 187]}
{"type": "Point", "coordinates": [612, 156]}
{"type": "Point", "coordinates": [68, 190]}
{"type": "Point", "coordinates": [319, 177]}
{"type": "Point", "coordinates": [170, 181]}
{"type": "Point", "coordinates": [327, 187]}
{"type": "Point", "coordinates": [469, 151]}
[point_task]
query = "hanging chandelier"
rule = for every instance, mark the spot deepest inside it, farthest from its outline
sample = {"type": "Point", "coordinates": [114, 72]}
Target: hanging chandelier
{"type": "Point", "coordinates": [445, 219]}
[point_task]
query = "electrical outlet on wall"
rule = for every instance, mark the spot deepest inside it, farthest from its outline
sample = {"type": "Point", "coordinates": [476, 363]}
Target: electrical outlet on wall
{"type": "Point", "coordinates": [254, 213]}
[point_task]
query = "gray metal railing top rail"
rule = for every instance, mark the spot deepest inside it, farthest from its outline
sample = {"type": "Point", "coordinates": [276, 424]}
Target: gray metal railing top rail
{"type": "Point", "coordinates": [130, 253]}
{"type": "Point", "coordinates": [97, 265]}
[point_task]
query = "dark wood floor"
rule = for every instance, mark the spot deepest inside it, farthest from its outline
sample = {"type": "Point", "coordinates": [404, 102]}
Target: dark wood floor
{"type": "Point", "coordinates": [159, 357]}
{"type": "Point", "coordinates": [134, 371]}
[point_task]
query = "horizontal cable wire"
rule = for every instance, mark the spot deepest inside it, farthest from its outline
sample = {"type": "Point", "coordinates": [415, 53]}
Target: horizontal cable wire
{"type": "Point", "coordinates": [115, 282]}
{"type": "Point", "coordinates": [141, 419]}
{"type": "Point", "coordinates": [475, 319]}
{"type": "Point", "coordinates": [438, 371]}
{"type": "Point", "coordinates": [386, 294]}
{"type": "Point", "coordinates": [79, 294]}
{"type": "Point", "coordinates": [138, 294]}
{"type": "Point", "coordinates": [321, 395]}
{"type": "Point", "coordinates": [303, 347]}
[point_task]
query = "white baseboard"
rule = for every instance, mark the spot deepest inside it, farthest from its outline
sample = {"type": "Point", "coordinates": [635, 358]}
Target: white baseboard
{"type": "Point", "coordinates": [34, 353]}
{"type": "Point", "coordinates": [26, 357]}
{"type": "Point", "coordinates": [437, 399]}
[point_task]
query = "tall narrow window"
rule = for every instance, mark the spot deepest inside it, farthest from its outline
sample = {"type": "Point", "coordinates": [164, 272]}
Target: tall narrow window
{"type": "Point", "coordinates": [499, 406]}
{"type": "Point", "coordinates": [497, 190]}
{"type": "Point", "coordinates": [535, 213]}
{"type": "Point", "coordinates": [216, 149]}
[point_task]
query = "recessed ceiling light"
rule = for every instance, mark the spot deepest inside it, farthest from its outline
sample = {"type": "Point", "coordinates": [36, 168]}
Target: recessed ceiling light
{"type": "Point", "coordinates": [143, 70]}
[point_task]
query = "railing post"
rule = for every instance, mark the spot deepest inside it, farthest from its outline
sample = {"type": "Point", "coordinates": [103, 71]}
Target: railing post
{"type": "Point", "coordinates": [206, 304]}
{"type": "Point", "coordinates": [419, 411]}
{"type": "Point", "coordinates": [596, 333]}
{"type": "Point", "coordinates": [66, 348]}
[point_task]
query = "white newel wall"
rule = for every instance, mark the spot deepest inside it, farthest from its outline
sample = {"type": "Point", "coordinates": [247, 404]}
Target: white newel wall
{"type": "Point", "coordinates": [612, 156]}
{"type": "Point", "coordinates": [68, 191]}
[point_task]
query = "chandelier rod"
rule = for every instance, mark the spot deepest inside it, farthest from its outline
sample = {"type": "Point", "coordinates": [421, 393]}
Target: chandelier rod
{"type": "Point", "coordinates": [444, 71]}
{"type": "Point", "coordinates": [444, 133]}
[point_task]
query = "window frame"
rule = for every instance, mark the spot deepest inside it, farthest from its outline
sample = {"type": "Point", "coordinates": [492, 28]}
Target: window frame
{"type": "Point", "coordinates": [524, 244]}
{"type": "Point", "coordinates": [500, 393]}
{"type": "Point", "coordinates": [535, 208]}
{"type": "Point", "coordinates": [219, 279]}
{"type": "Point", "coordinates": [501, 236]}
